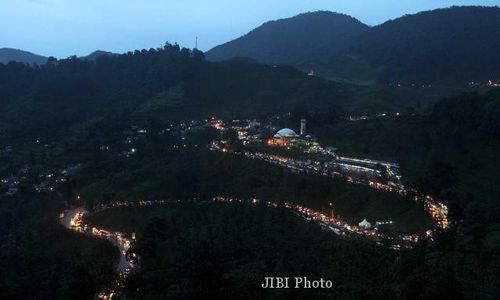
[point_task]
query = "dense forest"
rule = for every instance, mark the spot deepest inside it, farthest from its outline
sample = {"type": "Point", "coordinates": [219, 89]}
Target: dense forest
{"type": "Point", "coordinates": [40, 259]}
{"type": "Point", "coordinates": [216, 250]}
{"type": "Point", "coordinates": [224, 251]}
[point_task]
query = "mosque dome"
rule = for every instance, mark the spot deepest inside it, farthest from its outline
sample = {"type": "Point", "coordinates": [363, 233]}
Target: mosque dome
{"type": "Point", "coordinates": [286, 133]}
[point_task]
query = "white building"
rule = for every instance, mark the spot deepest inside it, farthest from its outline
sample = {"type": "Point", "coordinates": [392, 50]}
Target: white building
{"type": "Point", "coordinates": [365, 224]}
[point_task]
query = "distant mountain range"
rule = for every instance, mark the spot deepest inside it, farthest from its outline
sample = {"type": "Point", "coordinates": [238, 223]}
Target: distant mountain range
{"type": "Point", "coordinates": [8, 54]}
{"type": "Point", "coordinates": [456, 45]}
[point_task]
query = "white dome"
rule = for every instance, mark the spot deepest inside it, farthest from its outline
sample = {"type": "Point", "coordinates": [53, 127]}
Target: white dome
{"type": "Point", "coordinates": [285, 132]}
{"type": "Point", "coordinates": [365, 224]}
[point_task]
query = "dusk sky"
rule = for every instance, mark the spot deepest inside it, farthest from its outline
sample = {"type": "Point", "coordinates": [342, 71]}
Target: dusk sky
{"type": "Point", "coordinates": [65, 27]}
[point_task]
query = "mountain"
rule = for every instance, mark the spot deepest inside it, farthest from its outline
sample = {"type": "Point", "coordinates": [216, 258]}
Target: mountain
{"type": "Point", "coordinates": [170, 84]}
{"type": "Point", "coordinates": [8, 54]}
{"type": "Point", "coordinates": [310, 36]}
{"type": "Point", "coordinates": [94, 55]}
{"type": "Point", "coordinates": [449, 47]}
{"type": "Point", "coordinates": [453, 45]}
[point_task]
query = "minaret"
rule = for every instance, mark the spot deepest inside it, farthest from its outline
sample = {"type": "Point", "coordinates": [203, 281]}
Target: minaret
{"type": "Point", "coordinates": [302, 126]}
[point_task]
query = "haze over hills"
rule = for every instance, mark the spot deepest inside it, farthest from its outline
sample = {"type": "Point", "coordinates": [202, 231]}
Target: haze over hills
{"type": "Point", "coordinates": [452, 46]}
{"type": "Point", "coordinates": [308, 36]}
{"type": "Point", "coordinates": [9, 54]}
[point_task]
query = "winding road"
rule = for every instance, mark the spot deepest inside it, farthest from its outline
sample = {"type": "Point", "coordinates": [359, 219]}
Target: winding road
{"type": "Point", "coordinates": [129, 261]}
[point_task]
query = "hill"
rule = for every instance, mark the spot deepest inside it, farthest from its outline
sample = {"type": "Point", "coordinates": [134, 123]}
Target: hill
{"type": "Point", "coordinates": [453, 45]}
{"type": "Point", "coordinates": [310, 36]}
{"type": "Point", "coordinates": [174, 84]}
{"type": "Point", "coordinates": [94, 55]}
{"type": "Point", "coordinates": [168, 83]}
{"type": "Point", "coordinates": [8, 54]}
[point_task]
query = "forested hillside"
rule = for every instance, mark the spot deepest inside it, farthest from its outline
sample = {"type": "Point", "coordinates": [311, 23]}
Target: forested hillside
{"type": "Point", "coordinates": [454, 46]}
{"type": "Point", "coordinates": [311, 36]}
{"type": "Point", "coordinates": [165, 84]}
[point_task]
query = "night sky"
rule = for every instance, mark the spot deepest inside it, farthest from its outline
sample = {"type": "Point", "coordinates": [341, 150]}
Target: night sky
{"type": "Point", "coordinates": [66, 27]}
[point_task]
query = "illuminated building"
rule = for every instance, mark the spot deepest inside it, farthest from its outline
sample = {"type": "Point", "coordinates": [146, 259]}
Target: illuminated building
{"type": "Point", "coordinates": [282, 138]}
{"type": "Point", "coordinates": [365, 224]}
{"type": "Point", "coordinates": [217, 124]}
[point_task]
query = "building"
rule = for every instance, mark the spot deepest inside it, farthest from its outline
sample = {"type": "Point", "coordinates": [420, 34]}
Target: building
{"type": "Point", "coordinates": [493, 83]}
{"type": "Point", "coordinates": [287, 137]}
{"type": "Point", "coordinates": [302, 127]}
{"type": "Point", "coordinates": [282, 138]}
{"type": "Point", "coordinates": [365, 224]}
{"type": "Point", "coordinates": [253, 124]}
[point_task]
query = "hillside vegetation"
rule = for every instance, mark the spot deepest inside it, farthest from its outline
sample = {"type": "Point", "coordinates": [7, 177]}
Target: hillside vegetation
{"type": "Point", "coordinates": [457, 45]}
{"type": "Point", "coordinates": [451, 153]}
{"type": "Point", "coordinates": [168, 84]}
{"type": "Point", "coordinates": [225, 250]}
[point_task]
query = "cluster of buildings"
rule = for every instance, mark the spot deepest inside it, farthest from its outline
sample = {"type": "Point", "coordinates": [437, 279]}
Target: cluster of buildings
{"type": "Point", "coordinates": [251, 133]}
{"type": "Point", "coordinates": [45, 182]}
{"type": "Point", "coordinates": [376, 174]}
{"type": "Point", "coordinates": [127, 146]}
{"type": "Point", "coordinates": [48, 181]}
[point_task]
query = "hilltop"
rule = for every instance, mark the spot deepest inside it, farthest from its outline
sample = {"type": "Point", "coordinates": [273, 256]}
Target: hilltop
{"type": "Point", "coordinates": [309, 36]}
{"type": "Point", "coordinates": [8, 54]}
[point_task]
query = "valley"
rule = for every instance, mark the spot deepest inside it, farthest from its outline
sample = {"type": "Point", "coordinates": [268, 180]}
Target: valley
{"type": "Point", "coordinates": [314, 147]}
